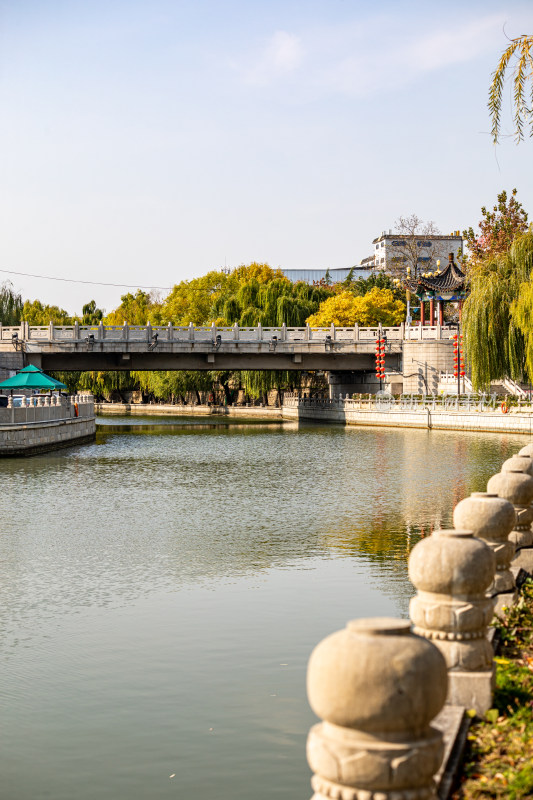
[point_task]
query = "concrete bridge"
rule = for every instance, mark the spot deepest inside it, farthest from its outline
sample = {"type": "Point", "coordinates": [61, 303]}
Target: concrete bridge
{"type": "Point", "coordinates": [104, 347]}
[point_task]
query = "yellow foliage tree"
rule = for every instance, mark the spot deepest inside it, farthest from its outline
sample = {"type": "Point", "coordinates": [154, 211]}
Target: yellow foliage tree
{"type": "Point", "coordinates": [345, 310]}
{"type": "Point", "coordinates": [262, 273]}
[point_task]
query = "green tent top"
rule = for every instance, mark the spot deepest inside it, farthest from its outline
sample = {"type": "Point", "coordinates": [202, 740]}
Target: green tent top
{"type": "Point", "coordinates": [31, 378]}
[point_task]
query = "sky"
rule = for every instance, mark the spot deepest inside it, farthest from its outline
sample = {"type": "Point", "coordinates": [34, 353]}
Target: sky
{"type": "Point", "coordinates": [144, 142]}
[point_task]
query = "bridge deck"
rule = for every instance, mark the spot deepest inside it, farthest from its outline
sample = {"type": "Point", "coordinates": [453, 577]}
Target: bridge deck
{"type": "Point", "coordinates": [79, 347]}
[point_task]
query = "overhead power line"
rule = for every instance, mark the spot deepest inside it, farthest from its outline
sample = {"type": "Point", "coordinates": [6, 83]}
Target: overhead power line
{"type": "Point", "coordinates": [92, 283]}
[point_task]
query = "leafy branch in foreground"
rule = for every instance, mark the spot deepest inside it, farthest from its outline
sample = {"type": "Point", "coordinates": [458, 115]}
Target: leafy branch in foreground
{"type": "Point", "coordinates": [519, 50]}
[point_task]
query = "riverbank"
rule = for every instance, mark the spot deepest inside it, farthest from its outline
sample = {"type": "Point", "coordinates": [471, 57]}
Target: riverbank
{"type": "Point", "coordinates": [347, 412]}
{"type": "Point", "coordinates": [418, 414]}
{"type": "Point", "coordinates": [498, 761]}
{"type": "Point", "coordinates": [159, 410]}
{"type": "Point", "coordinates": [28, 430]}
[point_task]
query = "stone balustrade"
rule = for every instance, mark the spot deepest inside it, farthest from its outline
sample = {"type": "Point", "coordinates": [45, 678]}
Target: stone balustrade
{"type": "Point", "coordinates": [35, 409]}
{"type": "Point", "coordinates": [492, 519]}
{"type": "Point", "coordinates": [378, 685]}
{"type": "Point", "coordinates": [192, 333]}
{"type": "Point", "coordinates": [453, 570]}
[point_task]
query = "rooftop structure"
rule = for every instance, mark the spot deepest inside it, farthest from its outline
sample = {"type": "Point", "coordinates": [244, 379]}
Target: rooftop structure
{"type": "Point", "coordinates": [336, 275]}
{"type": "Point", "coordinates": [441, 285]}
{"type": "Point", "coordinates": [394, 252]}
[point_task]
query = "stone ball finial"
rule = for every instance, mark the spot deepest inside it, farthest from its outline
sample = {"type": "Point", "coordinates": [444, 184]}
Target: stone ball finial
{"type": "Point", "coordinates": [377, 687]}
{"type": "Point", "coordinates": [516, 486]}
{"type": "Point", "coordinates": [518, 463]}
{"type": "Point", "coordinates": [452, 562]}
{"type": "Point", "coordinates": [492, 519]}
{"type": "Point", "coordinates": [527, 450]}
{"type": "Point", "coordinates": [452, 571]}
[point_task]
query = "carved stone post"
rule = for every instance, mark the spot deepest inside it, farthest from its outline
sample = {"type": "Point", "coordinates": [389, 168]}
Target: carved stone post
{"type": "Point", "coordinates": [492, 519]}
{"type": "Point", "coordinates": [524, 558]}
{"type": "Point", "coordinates": [516, 485]}
{"type": "Point", "coordinates": [452, 571]}
{"type": "Point", "coordinates": [377, 687]}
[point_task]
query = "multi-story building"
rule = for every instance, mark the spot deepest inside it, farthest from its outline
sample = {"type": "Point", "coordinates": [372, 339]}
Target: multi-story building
{"type": "Point", "coordinates": [395, 253]}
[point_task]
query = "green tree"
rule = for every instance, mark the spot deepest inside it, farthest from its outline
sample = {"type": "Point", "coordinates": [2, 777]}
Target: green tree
{"type": "Point", "coordinates": [135, 309]}
{"type": "Point", "coordinates": [91, 315]}
{"type": "Point", "coordinates": [496, 319]}
{"type": "Point", "coordinates": [517, 58]}
{"type": "Point", "coordinates": [35, 313]}
{"type": "Point", "coordinates": [10, 305]}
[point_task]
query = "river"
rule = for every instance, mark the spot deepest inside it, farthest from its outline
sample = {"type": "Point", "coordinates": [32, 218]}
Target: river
{"type": "Point", "coordinates": [163, 587]}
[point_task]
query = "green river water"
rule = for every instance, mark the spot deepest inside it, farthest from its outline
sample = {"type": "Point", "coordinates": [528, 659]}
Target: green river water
{"type": "Point", "coordinates": [162, 590]}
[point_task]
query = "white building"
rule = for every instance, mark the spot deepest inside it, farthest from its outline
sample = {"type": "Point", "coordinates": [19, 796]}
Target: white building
{"type": "Point", "coordinates": [394, 252]}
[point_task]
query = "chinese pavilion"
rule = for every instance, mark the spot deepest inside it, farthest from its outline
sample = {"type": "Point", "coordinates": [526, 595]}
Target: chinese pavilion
{"type": "Point", "coordinates": [448, 285]}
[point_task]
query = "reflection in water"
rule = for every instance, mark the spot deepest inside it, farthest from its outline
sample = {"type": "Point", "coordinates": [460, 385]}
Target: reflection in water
{"type": "Point", "coordinates": [156, 583]}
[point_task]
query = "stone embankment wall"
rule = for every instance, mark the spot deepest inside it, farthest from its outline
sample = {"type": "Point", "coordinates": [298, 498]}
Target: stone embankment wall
{"type": "Point", "coordinates": [156, 410]}
{"type": "Point", "coordinates": [37, 429]}
{"type": "Point", "coordinates": [347, 412]}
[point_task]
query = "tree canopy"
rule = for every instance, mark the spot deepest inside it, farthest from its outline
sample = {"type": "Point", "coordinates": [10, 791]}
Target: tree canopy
{"type": "Point", "coordinates": [346, 309]}
{"type": "Point", "coordinates": [35, 313]}
{"type": "Point", "coordinates": [498, 228]}
{"type": "Point", "coordinates": [498, 315]}
{"type": "Point", "coordinates": [10, 305]}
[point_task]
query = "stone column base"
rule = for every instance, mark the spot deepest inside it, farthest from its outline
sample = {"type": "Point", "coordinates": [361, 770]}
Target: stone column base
{"type": "Point", "coordinates": [504, 599]}
{"type": "Point", "coordinates": [524, 559]}
{"type": "Point", "coordinates": [471, 690]}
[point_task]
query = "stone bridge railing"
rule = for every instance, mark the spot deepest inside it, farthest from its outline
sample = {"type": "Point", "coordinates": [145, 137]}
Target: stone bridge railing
{"type": "Point", "coordinates": [191, 334]}
{"type": "Point", "coordinates": [46, 409]}
{"type": "Point", "coordinates": [471, 401]}
{"type": "Point", "coordinates": [380, 685]}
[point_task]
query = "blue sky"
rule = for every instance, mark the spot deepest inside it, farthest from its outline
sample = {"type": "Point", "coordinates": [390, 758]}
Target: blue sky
{"type": "Point", "coordinates": [148, 142]}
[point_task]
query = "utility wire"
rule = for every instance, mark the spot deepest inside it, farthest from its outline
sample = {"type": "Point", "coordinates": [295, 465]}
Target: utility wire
{"type": "Point", "coordinates": [92, 283]}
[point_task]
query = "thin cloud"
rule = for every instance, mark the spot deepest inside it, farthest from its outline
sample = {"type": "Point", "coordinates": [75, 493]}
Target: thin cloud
{"type": "Point", "coordinates": [369, 55]}
{"type": "Point", "coordinates": [282, 54]}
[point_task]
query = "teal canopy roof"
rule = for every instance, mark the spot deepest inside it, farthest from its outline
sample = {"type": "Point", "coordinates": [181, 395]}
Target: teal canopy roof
{"type": "Point", "coordinates": [31, 378]}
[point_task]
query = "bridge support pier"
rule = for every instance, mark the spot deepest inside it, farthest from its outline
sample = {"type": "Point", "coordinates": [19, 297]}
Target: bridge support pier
{"type": "Point", "coordinates": [363, 382]}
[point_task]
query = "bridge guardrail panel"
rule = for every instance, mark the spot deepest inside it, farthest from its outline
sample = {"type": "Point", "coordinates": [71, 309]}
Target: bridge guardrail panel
{"type": "Point", "coordinates": [39, 332]}
{"type": "Point", "coordinates": [65, 333]}
{"type": "Point", "coordinates": [205, 334]}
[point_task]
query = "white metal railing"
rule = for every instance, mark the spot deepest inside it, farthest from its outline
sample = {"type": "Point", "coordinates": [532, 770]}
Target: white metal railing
{"type": "Point", "coordinates": [191, 333]}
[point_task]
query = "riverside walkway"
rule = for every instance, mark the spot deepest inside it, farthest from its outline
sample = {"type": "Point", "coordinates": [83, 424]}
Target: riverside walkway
{"type": "Point", "coordinates": [147, 347]}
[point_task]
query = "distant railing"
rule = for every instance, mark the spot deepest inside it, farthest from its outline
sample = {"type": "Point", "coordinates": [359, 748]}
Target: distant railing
{"type": "Point", "coordinates": [514, 388]}
{"type": "Point", "coordinates": [449, 379]}
{"type": "Point", "coordinates": [37, 409]}
{"type": "Point", "coordinates": [192, 334]}
{"type": "Point", "coordinates": [471, 401]}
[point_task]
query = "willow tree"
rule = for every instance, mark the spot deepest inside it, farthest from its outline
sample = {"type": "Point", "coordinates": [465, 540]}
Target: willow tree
{"type": "Point", "coordinates": [257, 383]}
{"type": "Point", "coordinates": [10, 305]}
{"type": "Point", "coordinates": [496, 324]}
{"type": "Point", "coordinates": [517, 58]}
